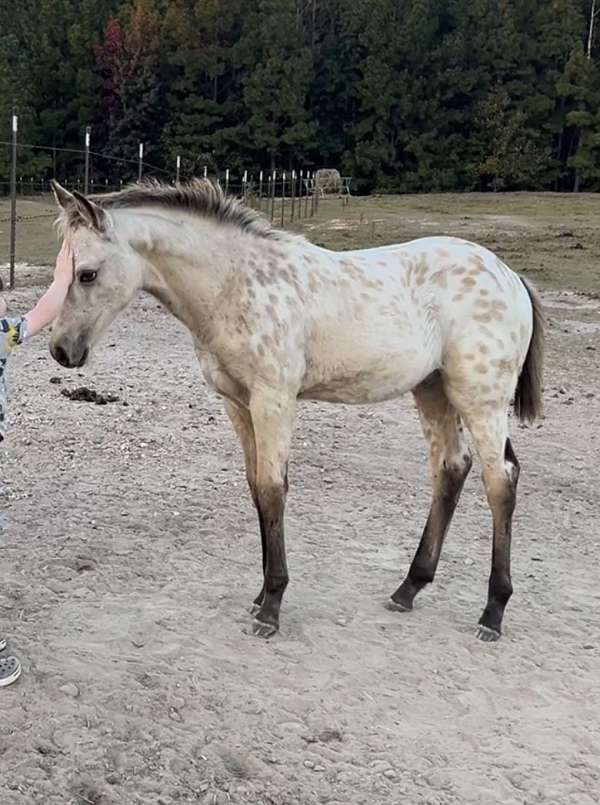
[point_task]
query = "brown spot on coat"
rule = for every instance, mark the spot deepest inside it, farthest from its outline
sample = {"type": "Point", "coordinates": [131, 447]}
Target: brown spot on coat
{"type": "Point", "coordinates": [262, 278]}
{"type": "Point", "coordinates": [440, 278]}
{"type": "Point", "coordinates": [477, 262]}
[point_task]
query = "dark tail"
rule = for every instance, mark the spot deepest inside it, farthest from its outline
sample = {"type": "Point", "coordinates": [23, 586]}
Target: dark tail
{"type": "Point", "coordinates": [528, 395]}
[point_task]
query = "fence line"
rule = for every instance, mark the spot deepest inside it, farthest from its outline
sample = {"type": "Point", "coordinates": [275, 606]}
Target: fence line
{"type": "Point", "coordinates": [285, 196]}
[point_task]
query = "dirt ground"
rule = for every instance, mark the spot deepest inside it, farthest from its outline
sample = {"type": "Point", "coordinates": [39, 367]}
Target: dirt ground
{"type": "Point", "coordinates": [129, 554]}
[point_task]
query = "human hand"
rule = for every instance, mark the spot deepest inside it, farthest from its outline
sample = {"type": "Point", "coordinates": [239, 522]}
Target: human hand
{"type": "Point", "coordinates": [65, 265]}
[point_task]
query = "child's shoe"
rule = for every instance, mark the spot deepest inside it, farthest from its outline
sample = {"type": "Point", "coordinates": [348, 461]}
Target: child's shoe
{"type": "Point", "coordinates": [10, 671]}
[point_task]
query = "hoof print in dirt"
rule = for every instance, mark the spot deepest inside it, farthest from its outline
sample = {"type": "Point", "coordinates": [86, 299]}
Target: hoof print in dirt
{"type": "Point", "coordinates": [84, 394]}
{"type": "Point", "coordinates": [487, 635]}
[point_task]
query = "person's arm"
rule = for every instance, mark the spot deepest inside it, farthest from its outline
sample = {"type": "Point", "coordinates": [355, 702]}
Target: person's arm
{"type": "Point", "coordinates": [49, 305]}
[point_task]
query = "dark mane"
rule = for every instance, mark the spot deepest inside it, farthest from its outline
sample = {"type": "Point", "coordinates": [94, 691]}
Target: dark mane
{"type": "Point", "coordinates": [198, 196]}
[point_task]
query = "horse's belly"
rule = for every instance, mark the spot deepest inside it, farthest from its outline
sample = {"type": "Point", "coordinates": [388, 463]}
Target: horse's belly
{"type": "Point", "coordinates": [354, 383]}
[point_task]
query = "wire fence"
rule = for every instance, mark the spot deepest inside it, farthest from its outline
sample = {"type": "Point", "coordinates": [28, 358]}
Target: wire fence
{"type": "Point", "coordinates": [284, 197]}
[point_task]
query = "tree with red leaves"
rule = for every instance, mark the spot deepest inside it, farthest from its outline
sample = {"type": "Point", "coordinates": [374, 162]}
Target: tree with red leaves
{"type": "Point", "coordinates": [128, 62]}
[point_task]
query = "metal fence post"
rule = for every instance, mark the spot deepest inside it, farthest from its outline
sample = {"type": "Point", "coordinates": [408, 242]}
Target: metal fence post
{"type": "Point", "coordinates": [13, 200]}
{"type": "Point", "coordinates": [86, 177]}
{"type": "Point", "coordinates": [177, 169]}
{"type": "Point", "coordinates": [140, 161]}
{"type": "Point", "coordinates": [306, 194]}
{"type": "Point", "coordinates": [273, 184]}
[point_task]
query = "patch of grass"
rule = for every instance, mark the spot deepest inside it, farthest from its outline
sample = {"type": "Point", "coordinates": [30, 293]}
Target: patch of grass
{"type": "Point", "coordinates": [551, 237]}
{"type": "Point", "coordinates": [37, 242]}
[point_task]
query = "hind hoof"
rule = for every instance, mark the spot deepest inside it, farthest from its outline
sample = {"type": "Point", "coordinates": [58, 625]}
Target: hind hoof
{"type": "Point", "coordinates": [264, 630]}
{"type": "Point", "coordinates": [487, 635]}
{"type": "Point", "coordinates": [397, 606]}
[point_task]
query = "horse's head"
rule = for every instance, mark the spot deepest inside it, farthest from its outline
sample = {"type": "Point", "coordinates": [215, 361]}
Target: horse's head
{"type": "Point", "coordinates": [107, 275]}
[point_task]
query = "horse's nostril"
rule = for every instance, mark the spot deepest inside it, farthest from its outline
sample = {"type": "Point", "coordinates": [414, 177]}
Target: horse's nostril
{"type": "Point", "coordinates": [84, 357]}
{"type": "Point", "coordinates": [60, 354]}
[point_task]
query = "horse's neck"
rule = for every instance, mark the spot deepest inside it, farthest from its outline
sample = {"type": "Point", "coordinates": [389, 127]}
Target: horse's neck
{"type": "Point", "coordinates": [187, 271]}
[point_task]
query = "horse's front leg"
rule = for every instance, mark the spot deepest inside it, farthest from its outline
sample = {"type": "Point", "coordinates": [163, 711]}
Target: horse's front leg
{"type": "Point", "coordinates": [272, 419]}
{"type": "Point", "coordinates": [242, 425]}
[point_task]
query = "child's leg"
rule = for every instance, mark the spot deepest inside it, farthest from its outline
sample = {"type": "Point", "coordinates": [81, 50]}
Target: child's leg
{"type": "Point", "coordinates": [10, 671]}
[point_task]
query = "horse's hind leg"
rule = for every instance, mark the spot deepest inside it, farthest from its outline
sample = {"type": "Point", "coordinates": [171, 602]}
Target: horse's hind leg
{"type": "Point", "coordinates": [500, 477]}
{"type": "Point", "coordinates": [450, 462]}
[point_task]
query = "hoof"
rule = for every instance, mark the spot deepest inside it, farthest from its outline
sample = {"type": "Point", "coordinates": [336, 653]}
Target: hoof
{"type": "Point", "coordinates": [487, 635]}
{"type": "Point", "coordinates": [254, 608]}
{"type": "Point", "coordinates": [264, 630]}
{"type": "Point", "coordinates": [396, 606]}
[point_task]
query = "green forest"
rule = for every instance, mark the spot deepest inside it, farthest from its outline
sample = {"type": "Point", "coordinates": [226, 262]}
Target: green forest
{"type": "Point", "coordinates": [402, 95]}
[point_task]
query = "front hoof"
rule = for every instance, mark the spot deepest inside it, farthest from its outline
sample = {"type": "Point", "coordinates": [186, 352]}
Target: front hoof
{"type": "Point", "coordinates": [264, 630]}
{"type": "Point", "coordinates": [487, 635]}
{"type": "Point", "coordinates": [397, 606]}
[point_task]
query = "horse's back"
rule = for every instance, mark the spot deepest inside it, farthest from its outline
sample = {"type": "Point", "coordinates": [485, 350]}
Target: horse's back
{"type": "Point", "coordinates": [394, 314]}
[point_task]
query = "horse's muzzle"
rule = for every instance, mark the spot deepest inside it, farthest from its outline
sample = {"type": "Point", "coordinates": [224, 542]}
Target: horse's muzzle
{"type": "Point", "coordinates": [70, 355]}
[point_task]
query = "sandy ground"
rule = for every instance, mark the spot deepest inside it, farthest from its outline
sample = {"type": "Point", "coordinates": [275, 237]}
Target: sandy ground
{"type": "Point", "coordinates": [129, 553]}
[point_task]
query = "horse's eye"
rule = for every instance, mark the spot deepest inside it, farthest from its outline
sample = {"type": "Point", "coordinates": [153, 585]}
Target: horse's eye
{"type": "Point", "coordinates": [86, 277]}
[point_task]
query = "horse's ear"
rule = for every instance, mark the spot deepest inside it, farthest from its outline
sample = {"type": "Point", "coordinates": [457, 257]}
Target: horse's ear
{"type": "Point", "coordinates": [79, 209]}
{"type": "Point", "coordinates": [92, 215]}
{"type": "Point", "coordinates": [64, 199]}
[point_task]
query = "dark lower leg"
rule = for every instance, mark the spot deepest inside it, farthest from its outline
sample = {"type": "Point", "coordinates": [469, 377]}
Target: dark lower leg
{"type": "Point", "coordinates": [502, 497]}
{"type": "Point", "coordinates": [422, 570]}
{"type": "Point", "coordinates": [259, 598]}
{"type": "Point", "coordinates": [272, 505]}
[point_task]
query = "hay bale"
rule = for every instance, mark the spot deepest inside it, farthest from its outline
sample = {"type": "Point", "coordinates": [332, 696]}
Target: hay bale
{"type": "Point", "coordinates": [328, 180]}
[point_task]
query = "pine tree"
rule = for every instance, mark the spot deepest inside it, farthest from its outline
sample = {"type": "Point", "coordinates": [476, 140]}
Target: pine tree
{"type": "Point", "coordinates": [203, 85]}
{"type": "Point", "coordinates": [332, 33]}
{"type": "Point", "coordinates": [578, 90]}
{"type": "Point", "coordinates": [278, 70]}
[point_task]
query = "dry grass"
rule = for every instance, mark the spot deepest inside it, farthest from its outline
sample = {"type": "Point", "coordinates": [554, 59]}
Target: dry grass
{"type": "Point", "coordinates": [552, 238]}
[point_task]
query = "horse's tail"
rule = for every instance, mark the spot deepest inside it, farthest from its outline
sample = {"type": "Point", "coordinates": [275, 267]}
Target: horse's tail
{"type": "Point", "coordinates": [528, 394]}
